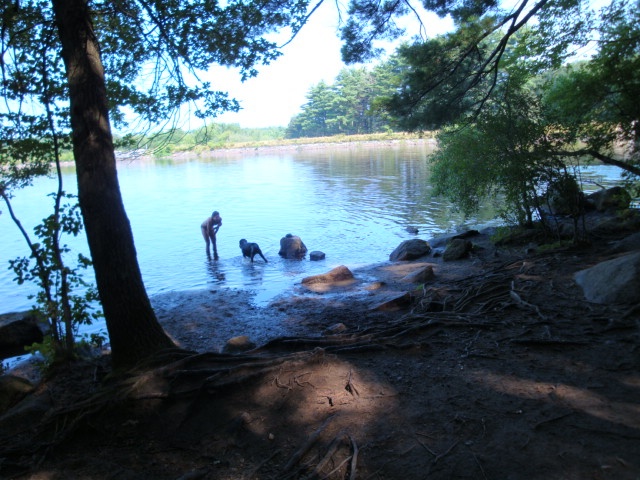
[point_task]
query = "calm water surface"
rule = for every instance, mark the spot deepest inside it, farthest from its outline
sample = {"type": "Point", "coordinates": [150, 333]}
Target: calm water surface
{"type": "Point", "coordinates": [353, 203]}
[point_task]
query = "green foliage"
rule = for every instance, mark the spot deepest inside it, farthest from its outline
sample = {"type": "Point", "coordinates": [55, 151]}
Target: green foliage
{"type": "Point", "coordinates": [513, 117]}
{"type": "Point", "coordinates": [48, 350]}
{"type": "Point", "coordinates": [64, 298]}
{"type": "Point", "coordinates": [153, 54]}
{"type": "Point", "coordinates": [596, 101]}
{"type": "Point", "coordinates": [209, 137]}
{"type": "Point", "coordinates": [457, 74]}
{"type": "Point", "coordinates": [496, 157]}
{"type": "Point", "coordinates": [353, 105]}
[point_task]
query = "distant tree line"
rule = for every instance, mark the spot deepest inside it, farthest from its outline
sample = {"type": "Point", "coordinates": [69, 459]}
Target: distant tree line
{"type": "Point", "coordinates": [209, 137]}
{"type": "Point", "coordinates": [352, 105]}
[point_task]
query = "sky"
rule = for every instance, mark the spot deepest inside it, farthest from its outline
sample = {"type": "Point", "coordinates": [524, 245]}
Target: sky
{"type": "Point", "coordinates": [278, 92]}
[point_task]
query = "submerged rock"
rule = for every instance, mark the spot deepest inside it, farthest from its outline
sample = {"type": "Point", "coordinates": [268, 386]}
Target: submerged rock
{"type": "Point", "coordinates": [317, 255]}
{"type": "Point", "coordinates": [338, 275]}
{"type": "Point", "coordinates": [292, 246]}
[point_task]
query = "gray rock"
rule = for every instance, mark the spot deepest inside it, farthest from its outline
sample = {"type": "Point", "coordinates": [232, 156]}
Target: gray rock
{"type": "Point", "coordinates": [421, 275]}
{"type": "Point", "coordinates": [18, 330]}
{"type": "Point", "coordinates": [627, 244]}
{"type": "Point", "coordinates": [443, 240]}
{"type": "Point", "coordinates": [12, 390]}
{"type": "Point", "coordinates": [317, 255]}
{"type": "Point", "coordinates": [410, 250]}
{"type": "Point", "coordinates": [394, 302]}
{"type": "Point", "coordinates": [609, 198]}
{"type": "Point", "coordinates": [613, 281]}
{"type": "Point", "coordinates": [26, 414]}
{"type": "Point", "coordinates": [458, 248]}
{"type": "Point", "coordinates": [292, 246]}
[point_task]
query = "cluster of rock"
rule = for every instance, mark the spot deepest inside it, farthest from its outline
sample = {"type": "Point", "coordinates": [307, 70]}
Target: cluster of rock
{"type": "Point", "coordinates": [450, 248]}
{"type": "Point", "coordinates": [292, 247]}
{"type": "Point", "coordinates": [558, 202]}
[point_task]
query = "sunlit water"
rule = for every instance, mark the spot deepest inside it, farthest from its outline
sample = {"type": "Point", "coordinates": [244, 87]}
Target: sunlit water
{"type": "Point", "coordinates": [353, 204]}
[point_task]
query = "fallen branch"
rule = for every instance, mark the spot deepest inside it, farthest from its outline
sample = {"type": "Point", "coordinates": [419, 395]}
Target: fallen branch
{"type": "Point", "coordinates": [298, 454]}
{"type": "Point", "coordinates": [515, 297]}
{"type": "Point", "coordinates": [445, 453]}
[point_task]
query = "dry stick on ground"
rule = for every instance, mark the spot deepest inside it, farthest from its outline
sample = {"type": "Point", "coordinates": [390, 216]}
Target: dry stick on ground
{"type": "Point", "coordinates": [298, 454]}
{"type": "Point", "coordinates": [350, 387]}
{"type": "Point", "coordinates": [445, 453]}
{"type": "Point", "coordinates": [262, 464]}
{"type": "Point", "coordinates": [353, 458]}
{"type": "Point", "coordinates": [437, 456]}
{"type": "Point", "coordinates": [337, 468]}
{"type": "Point", "coordinates": [484, 475]}
{"type": "Point", "coordinates": [330, 451]}
{"type": "Point", "coordinates": [514, 295]}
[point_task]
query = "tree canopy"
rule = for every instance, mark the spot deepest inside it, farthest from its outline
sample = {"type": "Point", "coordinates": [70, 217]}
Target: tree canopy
{"type": "Point", "coordinates": [352, 105]}
{"type": "Point", "coordinates": [514, 108]}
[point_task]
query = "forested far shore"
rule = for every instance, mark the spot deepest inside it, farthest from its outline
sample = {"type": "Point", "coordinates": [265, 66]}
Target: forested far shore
{"type": "Point", "coordinates": [183, 145]}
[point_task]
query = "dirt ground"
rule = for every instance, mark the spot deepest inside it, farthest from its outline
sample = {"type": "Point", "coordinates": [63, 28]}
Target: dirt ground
{"type": "Point", "coordinates": [496, 369]}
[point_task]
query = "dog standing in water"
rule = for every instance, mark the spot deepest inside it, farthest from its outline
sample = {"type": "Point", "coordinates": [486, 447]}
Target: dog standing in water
{"type": "Point", "coordinates": [250, 250]}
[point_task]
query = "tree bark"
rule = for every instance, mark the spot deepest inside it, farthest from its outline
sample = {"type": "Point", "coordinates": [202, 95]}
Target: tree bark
{"type": "Point", "coordinates": [134, 331]}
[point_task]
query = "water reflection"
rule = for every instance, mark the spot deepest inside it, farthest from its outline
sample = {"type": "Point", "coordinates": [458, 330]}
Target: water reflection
{"type": "Point", "coordinates": [253, 273]}
{"type": "Point", "coordinates": [214, 270]}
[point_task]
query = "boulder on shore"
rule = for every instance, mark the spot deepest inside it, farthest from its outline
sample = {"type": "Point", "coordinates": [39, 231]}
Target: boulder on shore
{"type": "Point", "coordinates": [613, 281]}
{"type": "Point", "coordinates": [422, 275]}
{"type": "Point", "coordinates": [410, 250]}
{"type": "Point", "coordinates": [458, 248]}
{"type": "Point", "coordinates": [609, 198]}
{"type": "Point", "coordinates": [18, 330]}
{"type": "Point", "coordinates": [12, 390]}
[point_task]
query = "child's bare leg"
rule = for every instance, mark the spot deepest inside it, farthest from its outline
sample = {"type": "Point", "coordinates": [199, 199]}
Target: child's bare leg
{"type": "Point", "coordinates": [215, 247]}
{"type": "Point", "coordinates": [206, 239]}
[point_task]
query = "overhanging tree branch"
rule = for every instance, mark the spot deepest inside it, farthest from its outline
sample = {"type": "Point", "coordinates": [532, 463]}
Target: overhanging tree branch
{"type": "Point", "coordinates": [607, 160]}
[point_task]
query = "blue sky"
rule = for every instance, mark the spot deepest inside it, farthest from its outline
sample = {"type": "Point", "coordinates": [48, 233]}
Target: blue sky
{"type": "Point", "coordinates": [278, 92]}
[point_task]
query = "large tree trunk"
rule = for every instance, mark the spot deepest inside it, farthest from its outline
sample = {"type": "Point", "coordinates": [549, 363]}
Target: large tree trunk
{"type": "Point", "coordinates": [134, 330]}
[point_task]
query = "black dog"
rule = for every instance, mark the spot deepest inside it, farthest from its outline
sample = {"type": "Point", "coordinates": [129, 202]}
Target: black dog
{"type": "Point", "coordinates": [250, 250]}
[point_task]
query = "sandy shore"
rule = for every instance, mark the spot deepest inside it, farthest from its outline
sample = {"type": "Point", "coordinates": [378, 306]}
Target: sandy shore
{"type": "Point", "coordinates": [277, 149]}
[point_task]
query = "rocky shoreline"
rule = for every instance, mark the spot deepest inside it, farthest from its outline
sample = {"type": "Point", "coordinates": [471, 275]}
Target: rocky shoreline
{"type": "Point", "coordinates": [205, 320]}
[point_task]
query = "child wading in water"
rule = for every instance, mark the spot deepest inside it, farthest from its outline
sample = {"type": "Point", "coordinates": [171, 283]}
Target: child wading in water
{"type": "Point", "coordinates": [209, 229]}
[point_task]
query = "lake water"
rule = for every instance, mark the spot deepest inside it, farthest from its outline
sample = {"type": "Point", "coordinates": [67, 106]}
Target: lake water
{"type": "Point", "coordinates": [352, 203]}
